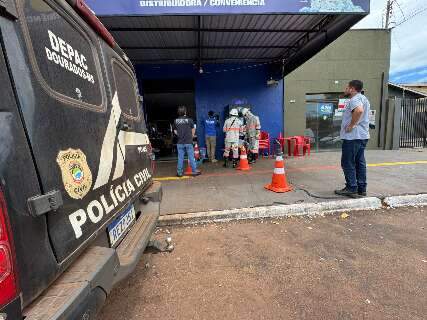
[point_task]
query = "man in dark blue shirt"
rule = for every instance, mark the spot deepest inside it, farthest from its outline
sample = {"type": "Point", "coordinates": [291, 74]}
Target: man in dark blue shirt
{"type": "Point", "coordinates": [185, 131]}
{"type": "Point", "coordinates": [211, 123]}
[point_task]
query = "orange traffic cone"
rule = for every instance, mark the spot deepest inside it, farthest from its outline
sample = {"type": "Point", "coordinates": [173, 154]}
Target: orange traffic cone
{"type": "Point", "coordinates": [279, 182]}
{"type": "Point", "coordinates": [196, 152]}
{"type": "Point", "coordinates": [243, 163]}
{"type": "Point", "coordinates": [188, 171]}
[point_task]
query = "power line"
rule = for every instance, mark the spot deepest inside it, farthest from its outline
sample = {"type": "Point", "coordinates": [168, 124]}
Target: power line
{"type": "Point", "coordinates": [389, 14]}
{"type": "Point", "coordinates": [413, 15]}
{"type": "Point", "coordinates": [401, 11]}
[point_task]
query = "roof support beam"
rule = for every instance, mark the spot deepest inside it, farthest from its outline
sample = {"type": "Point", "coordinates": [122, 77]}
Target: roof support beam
{"type": "Point", "coordinates": [266, 59]}
{"type": "Point", "coordinates": [204, 47]}
{"type": "Point", "coordinates": [305, 38]}
{"type": "Point", "coordinates": [213, 30]}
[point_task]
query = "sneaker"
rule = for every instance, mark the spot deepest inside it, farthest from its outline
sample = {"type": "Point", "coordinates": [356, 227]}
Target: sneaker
{"type": "Point", "coordinates": [195, 174]}
{"type": "Point", "coordinates": [214, 160]}
{"type": "Point", "coordinates": [179, 175]}
{"type": "Point", "coordinates": [225, 165]}
{"type": "Point", "coordinates": [346, 192]}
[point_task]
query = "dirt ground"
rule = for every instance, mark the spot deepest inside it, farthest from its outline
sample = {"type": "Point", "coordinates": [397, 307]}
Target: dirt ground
{"type": "Point", "coordinates": [371, 265]}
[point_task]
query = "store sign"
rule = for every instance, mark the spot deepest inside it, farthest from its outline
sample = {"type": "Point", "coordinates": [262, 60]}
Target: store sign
{"type": "Point", "coordinates": [200, 7]}
{"type": "Point", "coordinates": [342, 103]}
{"type": "Point", "coordinates": [341, 107]}
{"type": "Point", "coordinates": [326, 109]}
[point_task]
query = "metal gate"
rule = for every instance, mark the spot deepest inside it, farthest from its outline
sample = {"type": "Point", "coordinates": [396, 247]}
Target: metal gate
{"type": "Point", "coordinates": [413, 124]}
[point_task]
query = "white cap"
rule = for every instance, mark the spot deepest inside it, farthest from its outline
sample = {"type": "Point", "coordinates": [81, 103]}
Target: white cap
{"type": "Point", "coordinates": [234, 112]}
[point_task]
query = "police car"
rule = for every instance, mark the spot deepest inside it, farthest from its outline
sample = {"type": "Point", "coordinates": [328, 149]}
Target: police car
{"type": "Point", "coordinates": [77, 200]}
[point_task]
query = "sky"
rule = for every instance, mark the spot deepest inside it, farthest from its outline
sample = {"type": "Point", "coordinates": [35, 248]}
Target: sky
{"type": "Point", "coordinates": [409, 40]}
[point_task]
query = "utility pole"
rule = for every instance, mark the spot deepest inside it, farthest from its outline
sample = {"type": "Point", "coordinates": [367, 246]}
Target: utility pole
{"type": "Point", "coordinates": [388, 13]}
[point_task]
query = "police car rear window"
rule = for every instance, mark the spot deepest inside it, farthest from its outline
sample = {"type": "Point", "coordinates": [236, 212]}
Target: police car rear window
{"type": "Point", "coordinates": [126, 86]}
{"type": "Point", "coordinates": [62, 54]}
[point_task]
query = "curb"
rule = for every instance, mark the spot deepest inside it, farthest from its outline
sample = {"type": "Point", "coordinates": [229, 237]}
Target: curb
{"type": "Point", "coordinates": [406, 201]}
{"type": "Point", "coordinates": [305, 209]}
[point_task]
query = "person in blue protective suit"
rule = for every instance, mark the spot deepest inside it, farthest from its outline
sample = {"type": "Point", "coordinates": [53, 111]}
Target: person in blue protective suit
{"type": "Point", "coordinates": [211, 123]}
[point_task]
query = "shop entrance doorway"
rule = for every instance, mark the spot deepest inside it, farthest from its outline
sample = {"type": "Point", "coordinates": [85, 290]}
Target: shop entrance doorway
{"type": "Point", "coordinates": [161, 100]}
{"type": "Point", "coordinates": [323, 120]}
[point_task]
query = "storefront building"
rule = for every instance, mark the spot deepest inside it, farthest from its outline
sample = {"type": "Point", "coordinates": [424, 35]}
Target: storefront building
{"type": "Point", "coordinates": [167, 86]}
{"type": "Point", "coordinates": [210, 54]}
{"type": "Point", "coordinates": [314, 91]}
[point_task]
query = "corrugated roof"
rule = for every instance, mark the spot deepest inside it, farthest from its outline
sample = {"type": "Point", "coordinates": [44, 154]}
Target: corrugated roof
{"type": "Point", "coordinates": [405, 87]}
{"type": "Point", "coordinates": [225, 38]}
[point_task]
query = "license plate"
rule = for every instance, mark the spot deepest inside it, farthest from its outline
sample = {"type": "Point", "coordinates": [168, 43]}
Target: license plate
{"type": "Point", "coordinates": [118, 228]}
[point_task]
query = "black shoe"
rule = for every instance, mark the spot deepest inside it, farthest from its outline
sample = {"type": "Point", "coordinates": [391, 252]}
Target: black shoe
{"type": "Point", "coordinates": [251, 158]}
{"type": "Point", "coordinates": [195, 174]}
{"type": "Point", "coordinates": [179, 175]}
{"type": "Point", "coordinates": [346, 192]}
{"type": "Point", "coordinates": [362, 193]}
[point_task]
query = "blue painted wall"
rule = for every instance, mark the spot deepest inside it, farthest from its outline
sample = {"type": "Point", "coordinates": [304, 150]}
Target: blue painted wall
{"type": "Point", "coordinates": [216, 88]}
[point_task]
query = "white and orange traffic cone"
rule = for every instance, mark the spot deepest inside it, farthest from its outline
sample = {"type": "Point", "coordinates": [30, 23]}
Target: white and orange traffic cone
{"type": "Point", "coordinates": [243, 163]}
{"type": "Point", "coordinates": [279, 182]}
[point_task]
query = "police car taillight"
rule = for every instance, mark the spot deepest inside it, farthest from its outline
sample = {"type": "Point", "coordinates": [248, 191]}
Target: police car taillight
{"type": "Point", "coordinates": [89, 16]}
{"type": "Point", "coordinates": [8, 279]}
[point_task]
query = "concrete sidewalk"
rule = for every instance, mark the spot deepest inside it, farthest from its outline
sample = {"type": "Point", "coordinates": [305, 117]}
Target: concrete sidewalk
{"type": "Point", "coordinates": [314, 178]}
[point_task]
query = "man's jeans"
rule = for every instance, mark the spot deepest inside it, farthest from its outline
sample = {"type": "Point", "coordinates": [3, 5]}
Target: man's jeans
{"type": "Point", "coordinates": [353, 164]}
{"type": "Point", "coordinates": [182, 148]}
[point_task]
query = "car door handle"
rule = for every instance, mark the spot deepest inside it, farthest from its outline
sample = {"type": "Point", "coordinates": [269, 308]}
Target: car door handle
{"type": "Point", "coordinates": [42, 204]}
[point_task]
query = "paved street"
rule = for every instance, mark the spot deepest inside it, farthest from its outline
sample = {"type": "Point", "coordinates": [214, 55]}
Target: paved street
{"type": "Point", "coordinates": [370, 265]}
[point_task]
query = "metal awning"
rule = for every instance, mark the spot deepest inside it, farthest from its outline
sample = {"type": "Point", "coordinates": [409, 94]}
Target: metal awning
{"type": "Point", "coordinates": [286, 39]}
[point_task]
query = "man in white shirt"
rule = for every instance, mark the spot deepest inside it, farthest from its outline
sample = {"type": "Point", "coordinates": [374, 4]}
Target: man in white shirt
{"type": "Point", "coordinates": [355, 136]}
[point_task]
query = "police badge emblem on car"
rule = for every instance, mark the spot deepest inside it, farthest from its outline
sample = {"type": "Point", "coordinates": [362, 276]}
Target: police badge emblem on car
{"type": "Point", "coordinates": [76, 174]}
